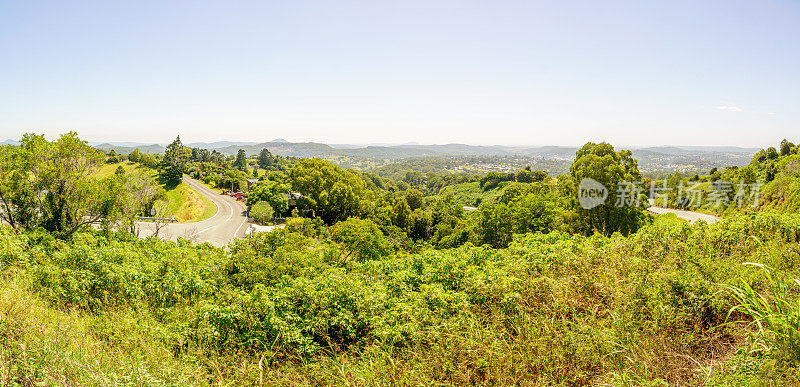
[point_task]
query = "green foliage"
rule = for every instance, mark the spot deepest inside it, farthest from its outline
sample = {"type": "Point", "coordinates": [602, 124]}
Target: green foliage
{"type": "Point", "coordinates": [493, 179]}
{"type": "Point", "coordinates": [471, 194]}
{"type": "Point", "coordinates": [270, 192]}
{"type": "Point", "coordinates": [52, 185]}
{"type": "Point", "coordinates": [266, 160]}
{"type": "Point", "coordinates": [610, 168]}
{"type": "Point", "coordinates": [332, 193]}
{"type": "Point", "coordinates": [175, 162]}
{"type": "Point", "coordinates": [361, 239]}
{"type": "Point", "coordinates": [776, 313]}
{"type": "Point", "coordinates": [241, 160]}
{"type": "Point", "coordinates": [783, 192]}
{"type": "Point", "coordinates": [261, 212]}
{"type": "Point", "coordinates": [550, 308]}
{"type": "Point", "coordinates": [528, 176]}
{"type": "Point", "coordinates": [404, 286]}
{"type": "Point", "coordinates": [498, 222]}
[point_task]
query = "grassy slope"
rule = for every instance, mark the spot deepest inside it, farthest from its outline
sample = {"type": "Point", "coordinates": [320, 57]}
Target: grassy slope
{"type": "Point", "coordinates": [184, 203]}
{"type": "Point", "coordinates": [187, 205]}
{"type": "Point", "coordinates": [642, 310]}
{"type": "Point", "coordinates": [109, 169]}
{"type": "Point", "coordinates": [471, 194]}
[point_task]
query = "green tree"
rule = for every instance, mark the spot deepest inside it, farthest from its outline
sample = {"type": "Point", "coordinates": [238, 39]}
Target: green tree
{"type": "Point", "coordinates": [135, 156]}
{"type": "Point", "coordinates": [51, 185]}
{"type": "Point", "coordinates": [611, 169]}
{"type": "Point", "coordinates": [175, 162]}
{"type": "Point", "coordinates": [497, 222]}
{"type": "Point", "coordinates": [786, 147]}
{"type": "Point", "coordinates": [241, 160]}
{"type": "Point", "coordinates": [261, 212]}
{"type": "Point", "coordinates": [414, 198]}
{"type": "Point", "coordinates": [265, 159]}
{"type": "Point", "coordinates": [421, 224]}
{"type": "Point", "coordinates": [528, 176]}
{"type": "Point", "coordinates": [360, 238]}
{"type": "Point", "coordinates": [270, 192]}
{"type": "Point", "coordinates": [333, 193]}
{"type": "Point", "coordinates": [12, 185]}
{"type": "Point", "coordinates": [401, 214]}
{"type": "Point", "coordinates": [772, 153]}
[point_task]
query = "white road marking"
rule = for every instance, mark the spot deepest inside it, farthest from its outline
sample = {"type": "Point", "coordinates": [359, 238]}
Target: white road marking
{"type": "Point", "coordinates": [215, 221]}
{"type": "Point", "coordinates": [199, 232]}
{"type": "Point", "coordinates": [240, 227]}
{"type": "Point", "coordinates": [230, 208]}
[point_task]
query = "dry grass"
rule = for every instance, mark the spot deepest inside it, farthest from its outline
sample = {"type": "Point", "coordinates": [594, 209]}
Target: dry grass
{"type": "Point", "coordinates": [187, 205]}
{"type": "Point", "coordinates": [42, 345]}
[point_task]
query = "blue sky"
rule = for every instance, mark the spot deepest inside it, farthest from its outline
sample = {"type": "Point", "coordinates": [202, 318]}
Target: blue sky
{"type": "Point", "coordinates": [488, 72]}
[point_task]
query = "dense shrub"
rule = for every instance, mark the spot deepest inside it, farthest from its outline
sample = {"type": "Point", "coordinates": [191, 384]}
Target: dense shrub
{"type": "Point", "coordinates": [550, 308]}
{"type": "Point", "coordinates": [361, 239]}
{"type": "Point", "coordinates": [261, 212]}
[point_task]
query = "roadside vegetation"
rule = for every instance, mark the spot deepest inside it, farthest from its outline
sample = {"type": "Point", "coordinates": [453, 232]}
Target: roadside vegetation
{"type": "Point", "coordinates": [180, 201]}
{"type": "Point", "coordinates": [187, 205]}
{"type": "Point", "coordinates": [379, 281]}
{"type": "Point", "coordinates": [775, 172]}
{"type": "Point", "coordinates": [311, 308]}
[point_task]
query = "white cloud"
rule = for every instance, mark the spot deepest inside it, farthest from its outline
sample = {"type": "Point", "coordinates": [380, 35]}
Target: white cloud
{"type": "Point", "coordinates": [730, 108]}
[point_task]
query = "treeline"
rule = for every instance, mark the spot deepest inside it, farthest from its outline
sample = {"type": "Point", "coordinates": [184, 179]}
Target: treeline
{"type": "Point", "coordinates": [52, 186]}
{"type": "Point", "coordinates": [770, 182]}
{"type": "Point", "coordinates": [388, 282]}
{"type": "Point", "coordinates": [411, 211]}
{"type": "Point", "coordinates": [312, 304]}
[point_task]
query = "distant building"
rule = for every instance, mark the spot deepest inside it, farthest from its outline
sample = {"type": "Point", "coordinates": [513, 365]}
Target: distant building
{"type": "Point", "coordinates": [292, 198]}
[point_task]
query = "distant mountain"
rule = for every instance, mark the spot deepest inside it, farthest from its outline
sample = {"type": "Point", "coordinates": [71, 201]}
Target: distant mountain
{"type": "Point", "coordinates": [346, 146]}
{"type": "Point", "coordinates": [459, 149]}
{"type": "Point", "coordinates": [218, 144]}
{"type": "Point", "coordinates": [650, 158]}
{"type": "Point", "coordinates": [386, 152]}
{"type": "Point", "coordinates": [122, 144]}
{"type": "Point", "coordinates": [722, 149]}
{"type": "Point", "coordinates": [9, 142]}
{"type": "Point", "coordinates": [279, 140]}
{"type": "Point", "coordinates": [124, 150]}
{"type": "Point", "coordinates": [300, 149]}
{"type": "Point", "coordinates": [697, 150]}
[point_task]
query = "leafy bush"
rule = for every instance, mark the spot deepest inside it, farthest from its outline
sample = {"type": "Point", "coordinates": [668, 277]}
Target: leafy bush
{"type": "Point", "coordinates": [361, 239]}
{"type": "Point", "coordinates": [261, 212]}
{"type": "Point", "coordinates": [548, 309]}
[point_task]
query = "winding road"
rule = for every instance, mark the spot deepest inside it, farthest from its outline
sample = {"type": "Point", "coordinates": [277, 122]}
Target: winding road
{"type": "Point", "coordinates": [691, 216]}
{"type": "Point", "coordinates": [227, 224]}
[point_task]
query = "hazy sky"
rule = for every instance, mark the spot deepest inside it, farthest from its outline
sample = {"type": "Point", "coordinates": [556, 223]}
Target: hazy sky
{"type": "Point", "coordinates": [480, 72]}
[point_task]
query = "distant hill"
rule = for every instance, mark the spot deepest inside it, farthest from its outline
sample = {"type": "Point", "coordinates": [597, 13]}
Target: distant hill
{"type": "Point", "coordinates": [9, 142]}
{"type": "Point", "coordinates": [124, 150]}
{"type": "Point", "coordinates": [301, 149]}
{"type": "Point", "coordinates": [128, 144]}
{"type": "Point", "coordinates": [657, 158]}
{"type": "Point", "coordinates": [217, 144]}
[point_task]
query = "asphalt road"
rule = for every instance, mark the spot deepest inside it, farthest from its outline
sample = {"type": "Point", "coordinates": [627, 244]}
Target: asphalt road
{"type": "Point", "coordinates": [691, 216]}
{"type": "Point", "coordinates": [227, 224]}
